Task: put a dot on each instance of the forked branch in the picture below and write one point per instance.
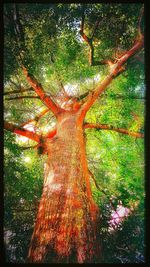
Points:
(111, 128)
(114, 71)
(89, 41)
(115, 68)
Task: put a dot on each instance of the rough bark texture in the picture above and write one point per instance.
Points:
(65, 229)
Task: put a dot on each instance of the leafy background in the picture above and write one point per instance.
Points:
(51, 47)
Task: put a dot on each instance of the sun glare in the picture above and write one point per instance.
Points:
(29, 127)
(21, 139)
(27, 159)
(24, 139)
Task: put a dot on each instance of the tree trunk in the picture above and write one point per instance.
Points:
(65, 229)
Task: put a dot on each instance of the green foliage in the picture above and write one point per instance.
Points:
(117, 162)
(22, 190)
(50, 45)
(128, 239)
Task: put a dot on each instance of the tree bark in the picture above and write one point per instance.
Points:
(65, 229)
(21, 131)
(41, 93)
(111, 128)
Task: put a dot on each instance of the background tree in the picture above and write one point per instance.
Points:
(75, 52)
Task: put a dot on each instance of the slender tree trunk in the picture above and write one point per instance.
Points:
(65, 229)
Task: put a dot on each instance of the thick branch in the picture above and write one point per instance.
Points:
(109, 127)
(90, 44)
(51, 134)
(114, 71)
(87, 40)
(20, 130)
(40, 92)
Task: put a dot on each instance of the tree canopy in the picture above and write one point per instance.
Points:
(48, 39)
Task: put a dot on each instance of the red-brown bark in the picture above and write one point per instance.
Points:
(40, 92)
(51, 133)
(67, 219)
(67, 216)
(21, 131)
(89, 41)
(115, 69)
(111, 128)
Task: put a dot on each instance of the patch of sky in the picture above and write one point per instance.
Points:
(140, 89)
